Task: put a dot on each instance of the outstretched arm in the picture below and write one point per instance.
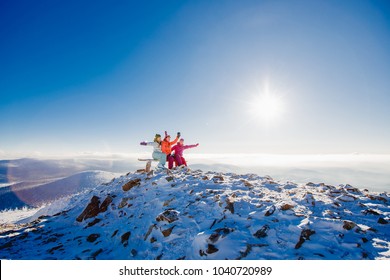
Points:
(146, 143)
(190, 146)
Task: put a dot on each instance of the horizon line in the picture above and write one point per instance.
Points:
(132, 155)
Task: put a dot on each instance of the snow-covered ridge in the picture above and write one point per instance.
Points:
(207, 215)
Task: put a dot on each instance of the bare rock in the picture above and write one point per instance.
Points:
(92, 237)
(62, 213)
(370, 211)
(211, 249)
(149, 231)
(270, 211)
(244, 254)
(336, 192)
(346, 198)
(348, 225)
(125, 238)
(59, 247)
(286, 207)
(246, 183)
(220, 233)
(230, 204)
(105, 204)
(261, 233)
(349, 188)
(218, 178)
(305, 235)
(124, 202)
(309, 198)
(169, 178)
(382, 221)
(272, 182)
(92, 210)
(94, 222)
(167, 202)
(214, 222)
(131, 184)
(202, 253)
(372, 229)
(167, 232)
(169, 216)
(96, 253)
(376, 197)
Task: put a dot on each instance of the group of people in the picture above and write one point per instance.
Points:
(163, 150)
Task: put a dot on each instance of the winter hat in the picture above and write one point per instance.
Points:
(155, 137)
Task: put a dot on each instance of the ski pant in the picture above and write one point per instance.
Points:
(161, 157)
(180, 160)
(171, 160)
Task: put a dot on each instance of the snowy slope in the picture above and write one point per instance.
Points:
(206, 215)
(20, 195)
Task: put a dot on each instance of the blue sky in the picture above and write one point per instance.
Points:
(101, 76)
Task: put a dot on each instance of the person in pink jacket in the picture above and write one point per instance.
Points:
(178, 149)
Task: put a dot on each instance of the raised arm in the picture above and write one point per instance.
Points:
(176, 139)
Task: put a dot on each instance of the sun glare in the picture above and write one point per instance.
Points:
(267, 107)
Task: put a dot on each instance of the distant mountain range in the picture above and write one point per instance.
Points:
(32, 182)
(27, 169)
(36, 193)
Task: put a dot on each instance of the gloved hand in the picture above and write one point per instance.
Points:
(178, 134)
(143, 143)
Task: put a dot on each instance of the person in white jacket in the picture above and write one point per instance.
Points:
(157, 153)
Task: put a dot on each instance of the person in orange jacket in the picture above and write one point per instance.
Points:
(166, 148)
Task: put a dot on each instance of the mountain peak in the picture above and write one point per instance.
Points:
(208, 215)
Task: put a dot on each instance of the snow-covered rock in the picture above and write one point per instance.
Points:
(206, 215)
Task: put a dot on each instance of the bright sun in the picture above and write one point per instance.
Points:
(267, 107)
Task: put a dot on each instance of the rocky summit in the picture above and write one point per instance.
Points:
(206, 215)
